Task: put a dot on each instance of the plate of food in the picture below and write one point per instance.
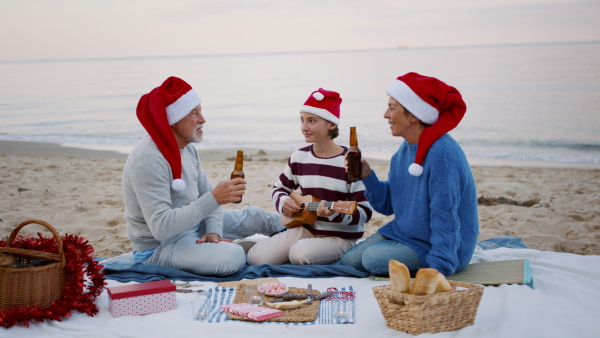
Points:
(272, 289)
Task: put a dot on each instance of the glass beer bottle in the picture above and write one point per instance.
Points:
(238, 170)
(354, 165)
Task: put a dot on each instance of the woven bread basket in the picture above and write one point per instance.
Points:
(35, 278)
(446, 311)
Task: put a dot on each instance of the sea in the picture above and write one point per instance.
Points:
(533, 103)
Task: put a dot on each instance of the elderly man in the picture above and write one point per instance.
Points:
(174, 215)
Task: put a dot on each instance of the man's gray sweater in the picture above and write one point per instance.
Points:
(154, 212)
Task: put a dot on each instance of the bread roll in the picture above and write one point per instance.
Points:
(425, 282)
(399, 276)
(442, 284)
(399, 279)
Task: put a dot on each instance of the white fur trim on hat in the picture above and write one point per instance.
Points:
(412, 102)
(322, 113)
(183, 106)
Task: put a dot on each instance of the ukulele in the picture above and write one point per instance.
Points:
(308, 207)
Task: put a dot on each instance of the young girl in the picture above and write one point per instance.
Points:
(317, 170)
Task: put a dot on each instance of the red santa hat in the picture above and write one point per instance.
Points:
(159, 110)
(324, 104)
(434, 103)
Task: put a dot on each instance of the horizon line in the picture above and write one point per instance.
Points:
(399, 47)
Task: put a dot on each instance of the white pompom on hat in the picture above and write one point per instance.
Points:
(159, 110)
(325, 104)
(434, 103)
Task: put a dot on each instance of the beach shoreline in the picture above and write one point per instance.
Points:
(78, 191)
(31, 148)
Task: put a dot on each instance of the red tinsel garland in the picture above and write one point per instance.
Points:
(77, 294)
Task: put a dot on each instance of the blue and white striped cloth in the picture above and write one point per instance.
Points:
(327, 310)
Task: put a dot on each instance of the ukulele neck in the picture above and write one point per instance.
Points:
(313, 206)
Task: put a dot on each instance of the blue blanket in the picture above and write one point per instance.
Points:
(124, 269)
(507, 241)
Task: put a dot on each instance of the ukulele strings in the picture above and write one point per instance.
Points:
(313, 206)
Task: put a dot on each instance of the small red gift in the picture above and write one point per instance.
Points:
(142, 298)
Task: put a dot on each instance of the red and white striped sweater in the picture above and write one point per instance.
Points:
(325, 179)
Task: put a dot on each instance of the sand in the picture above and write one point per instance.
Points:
(79, 192)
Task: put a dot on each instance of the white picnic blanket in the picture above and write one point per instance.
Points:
(564, 302)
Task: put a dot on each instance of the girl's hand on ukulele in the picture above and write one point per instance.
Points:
(290, 207)
(324, 211)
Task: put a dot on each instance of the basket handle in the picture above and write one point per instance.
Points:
(33, 253)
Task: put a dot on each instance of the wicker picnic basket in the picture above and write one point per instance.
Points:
(446, 311)
(35, 278)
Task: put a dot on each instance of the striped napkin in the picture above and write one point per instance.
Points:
(327, 310)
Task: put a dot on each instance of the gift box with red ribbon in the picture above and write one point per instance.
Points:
(142, 298)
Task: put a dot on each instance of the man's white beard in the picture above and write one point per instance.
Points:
(196, 138)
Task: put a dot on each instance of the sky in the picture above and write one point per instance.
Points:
(74, 29)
